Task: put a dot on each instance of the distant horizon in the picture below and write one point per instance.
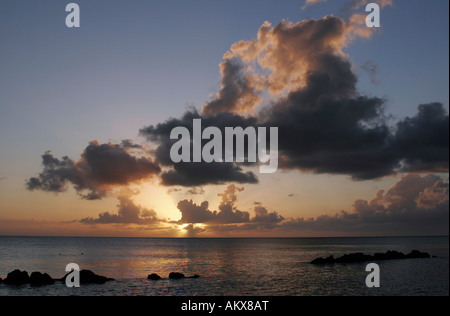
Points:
(131, 237)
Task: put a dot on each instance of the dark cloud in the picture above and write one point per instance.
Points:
(193, 213)
(197, 174)
(100, 167)
(194, 174)
(421, 142)
(128, 213)
(128, 143)
(325, 125)
(3, 178)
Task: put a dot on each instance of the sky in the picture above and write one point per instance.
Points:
(86, 115)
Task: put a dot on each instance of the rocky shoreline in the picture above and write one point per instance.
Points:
(18, 277)
(360, 257)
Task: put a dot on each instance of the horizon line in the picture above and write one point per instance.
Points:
(136, 237)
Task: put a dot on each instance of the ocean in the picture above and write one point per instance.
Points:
(227, 267)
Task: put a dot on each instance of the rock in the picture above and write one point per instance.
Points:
(395, 255)
(89, 277)
(360, 257)
(37, 278)
(195, 276)
(176, 275)
(17, 277)
(1, 280)
(153, 276)
(416, 254)
(328, 260)
(353, 257)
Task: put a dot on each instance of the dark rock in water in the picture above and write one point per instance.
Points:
(17, 277)
(416, 254)
(176, 275)
(195, 276)
(88, 277)
(328, 260)
(154, 276)
(37, 278)
(353, 257)
(360, 257)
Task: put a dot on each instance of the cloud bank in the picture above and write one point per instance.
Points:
(415, 205)
(128, 213)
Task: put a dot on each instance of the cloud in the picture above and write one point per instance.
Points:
(193, 213)
(415, 205)
(100, 167)
(309, 3)
(171, 190)
(421, 142)
(293, 76)
(268, 219)
(128, 213)
(3, 178)
(228, 212)
(195, 191)
(197, 174)
(192, 230)
(432, 197)
(237, 94)
(325, 125)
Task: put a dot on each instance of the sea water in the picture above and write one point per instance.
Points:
(227, 267)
